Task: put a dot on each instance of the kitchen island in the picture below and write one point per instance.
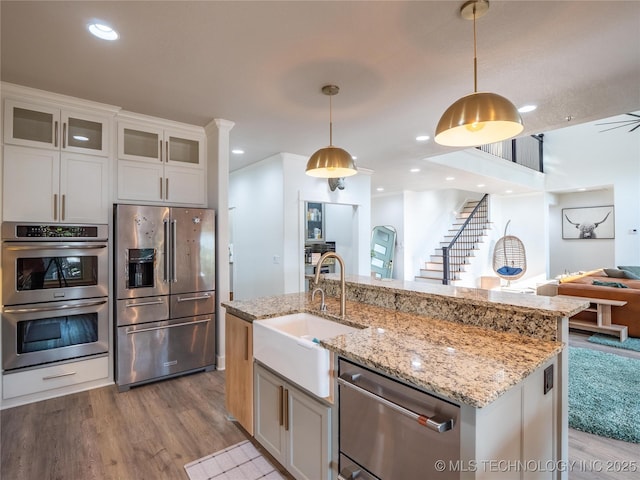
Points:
(485, 351)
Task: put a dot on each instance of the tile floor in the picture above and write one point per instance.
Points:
(240, 461)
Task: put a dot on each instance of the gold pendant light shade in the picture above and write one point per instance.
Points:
(480, 117)
(331, 162)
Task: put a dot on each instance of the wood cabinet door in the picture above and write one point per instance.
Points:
(239, 370)
(84, 196)
(30, 185)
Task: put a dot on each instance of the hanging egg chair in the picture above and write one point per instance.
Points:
(509, 257)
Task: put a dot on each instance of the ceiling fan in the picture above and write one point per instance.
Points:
(624, 123)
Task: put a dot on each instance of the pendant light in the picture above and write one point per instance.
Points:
(479, 118)
(331, 162)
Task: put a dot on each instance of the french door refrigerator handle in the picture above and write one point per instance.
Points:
(167, 250)
(435, 423)
(174, 262)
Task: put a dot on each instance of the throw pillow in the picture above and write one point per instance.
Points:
(635, 271)
(509, 271)
(609, 284)
(615, 273)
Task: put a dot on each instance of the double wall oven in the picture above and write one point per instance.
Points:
(54, 293)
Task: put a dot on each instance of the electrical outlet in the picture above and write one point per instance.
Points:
(276, 259)
(548, 379)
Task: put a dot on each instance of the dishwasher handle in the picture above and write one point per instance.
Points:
(349, 474)
(436, 423)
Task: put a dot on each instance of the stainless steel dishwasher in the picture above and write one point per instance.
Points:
(390, 430)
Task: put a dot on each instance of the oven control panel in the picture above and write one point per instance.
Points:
(32, 231)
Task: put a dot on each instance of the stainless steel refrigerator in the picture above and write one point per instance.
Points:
(165, 288)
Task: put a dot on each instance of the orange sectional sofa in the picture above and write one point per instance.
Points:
(582, 286)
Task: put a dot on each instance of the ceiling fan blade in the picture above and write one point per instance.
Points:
(634, 115)
(635, 128)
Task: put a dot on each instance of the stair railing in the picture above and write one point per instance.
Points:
(456, 253)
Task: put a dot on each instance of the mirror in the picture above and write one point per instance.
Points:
(383, 243)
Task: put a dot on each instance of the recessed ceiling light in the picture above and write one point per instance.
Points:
(422, 138)
(102, 31)
(354, 157)
(508, 191)
(448, 179)
(380, 189)
(480, 185)
(414, 170)
(582, 189)
(81, 138)
(237, 151)
(527, 108)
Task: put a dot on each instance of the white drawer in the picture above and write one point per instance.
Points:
(56, 376)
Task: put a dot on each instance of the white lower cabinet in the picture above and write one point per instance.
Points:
(292, 426)
(54, 377)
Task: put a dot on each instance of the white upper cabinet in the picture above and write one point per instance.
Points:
(160, 163)
(46, 186)
(148, 143)
(44, 126)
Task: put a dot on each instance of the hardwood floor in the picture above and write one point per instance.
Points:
(147, 433)
(151, 432)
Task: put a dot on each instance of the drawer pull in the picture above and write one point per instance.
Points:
(144, 304)
(436, 423)
(60, 375)
(193, 299)
(165, 327)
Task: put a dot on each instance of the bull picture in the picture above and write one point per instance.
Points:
(587, 221)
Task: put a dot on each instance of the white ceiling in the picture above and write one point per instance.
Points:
(399, 65)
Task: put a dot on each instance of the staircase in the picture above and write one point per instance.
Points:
(469, 234)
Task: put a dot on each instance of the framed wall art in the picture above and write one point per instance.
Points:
(588, 223)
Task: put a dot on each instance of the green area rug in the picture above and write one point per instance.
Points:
(604, 394)
(628, 344)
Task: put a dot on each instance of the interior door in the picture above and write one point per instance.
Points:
(383, 241)
(193, 240)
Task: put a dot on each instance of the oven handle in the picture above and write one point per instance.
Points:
(435, 423)
(151, 329)
(193, 299)
(57, 307)
(53, 247)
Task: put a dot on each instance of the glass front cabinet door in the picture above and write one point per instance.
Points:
(41, 126)
(148, 143)
(314, 222)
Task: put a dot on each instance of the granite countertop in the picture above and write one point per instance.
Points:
(552, 306)
(465, 363)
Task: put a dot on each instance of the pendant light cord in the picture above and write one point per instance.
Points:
(475, 54)
(330, 123)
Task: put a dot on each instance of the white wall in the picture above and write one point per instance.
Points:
(529, 222)
(268, 200)
(582, 156)
(256, 195)
(339, 223)
(575, 255)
